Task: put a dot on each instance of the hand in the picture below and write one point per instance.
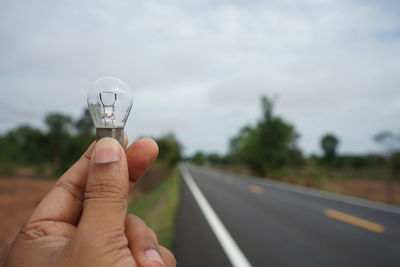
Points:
(82, 221)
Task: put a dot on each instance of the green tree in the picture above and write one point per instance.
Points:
(22, 145)
(60, 145)
(83, 137)
(84, 125)
(329, 143)
(199, 158)
(58, 136)
(29, 143)
(268, 146)
(391, 142)
(215, 158)
(170, 150)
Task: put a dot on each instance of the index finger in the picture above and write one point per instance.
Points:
(141, 154)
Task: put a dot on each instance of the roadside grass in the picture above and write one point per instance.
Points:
(158, 209)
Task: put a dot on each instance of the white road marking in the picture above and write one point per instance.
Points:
(232, 251)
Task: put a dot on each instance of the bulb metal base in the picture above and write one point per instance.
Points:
(116, 133)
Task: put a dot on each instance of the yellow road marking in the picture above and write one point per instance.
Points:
(256, 189)
(229, 180)
(344, 217)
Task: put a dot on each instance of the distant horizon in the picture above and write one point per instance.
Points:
(41, 125)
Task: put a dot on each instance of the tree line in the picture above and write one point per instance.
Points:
(265, 148)
(56, 147)
(271, 146)
(61, 143)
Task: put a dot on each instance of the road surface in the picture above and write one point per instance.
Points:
(256, 222)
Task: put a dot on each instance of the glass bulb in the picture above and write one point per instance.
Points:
(109, 100)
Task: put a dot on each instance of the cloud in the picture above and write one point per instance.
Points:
(198, 68)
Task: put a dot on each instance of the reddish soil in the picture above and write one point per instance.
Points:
(373, 190)
(18, 198)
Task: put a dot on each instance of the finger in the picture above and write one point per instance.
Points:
(141, 154)
(126, 140)
(142, 242)
(105, 198)
(64, 201)
(167, 256)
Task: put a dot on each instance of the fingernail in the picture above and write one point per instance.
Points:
(107, 150)
(153, 255)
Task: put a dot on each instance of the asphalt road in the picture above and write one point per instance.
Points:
(274, 224)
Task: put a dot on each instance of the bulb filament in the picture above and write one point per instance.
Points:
(108, 100)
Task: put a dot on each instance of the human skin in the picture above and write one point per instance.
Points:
(82, 221)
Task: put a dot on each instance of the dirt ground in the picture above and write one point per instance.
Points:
(18, 198)
(372, 190)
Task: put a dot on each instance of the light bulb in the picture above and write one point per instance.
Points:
(109, 100)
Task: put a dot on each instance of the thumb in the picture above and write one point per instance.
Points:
(106, 194)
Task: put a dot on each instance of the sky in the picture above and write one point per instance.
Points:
(198, 68)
